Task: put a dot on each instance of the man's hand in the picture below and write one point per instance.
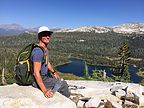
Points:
(48, 94)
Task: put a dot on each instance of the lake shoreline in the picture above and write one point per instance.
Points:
(79, 60)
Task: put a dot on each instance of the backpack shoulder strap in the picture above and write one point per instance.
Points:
(44, 53)
(37, 46)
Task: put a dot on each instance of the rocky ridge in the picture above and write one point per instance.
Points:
(137, 28)
(128, 28)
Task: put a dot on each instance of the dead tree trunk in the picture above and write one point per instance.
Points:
(3, 73)
(3, 77)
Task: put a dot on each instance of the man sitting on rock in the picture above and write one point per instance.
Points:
(42, 67)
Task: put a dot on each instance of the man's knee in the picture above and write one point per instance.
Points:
(64, 83)
(64, 89)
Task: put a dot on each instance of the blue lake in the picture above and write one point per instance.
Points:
(76, 67)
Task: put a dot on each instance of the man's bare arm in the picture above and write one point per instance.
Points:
(51, 69)
(37, 67)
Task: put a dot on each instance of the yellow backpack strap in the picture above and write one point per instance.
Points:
(28, 64)
(46, 58)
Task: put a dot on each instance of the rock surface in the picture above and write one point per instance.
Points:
(96, 94)
(114, 94)
(15, 96)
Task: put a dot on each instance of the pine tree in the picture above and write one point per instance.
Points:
(124, 55)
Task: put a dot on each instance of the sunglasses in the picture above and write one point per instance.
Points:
(45, 34)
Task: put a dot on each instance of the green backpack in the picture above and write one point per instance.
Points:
(23, 67)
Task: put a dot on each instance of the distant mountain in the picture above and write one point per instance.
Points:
(137, 28)
(129, 28)
(97, 29)
(15, 29)
(11, 29)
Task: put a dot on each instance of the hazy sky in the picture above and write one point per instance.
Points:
(71, 13)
